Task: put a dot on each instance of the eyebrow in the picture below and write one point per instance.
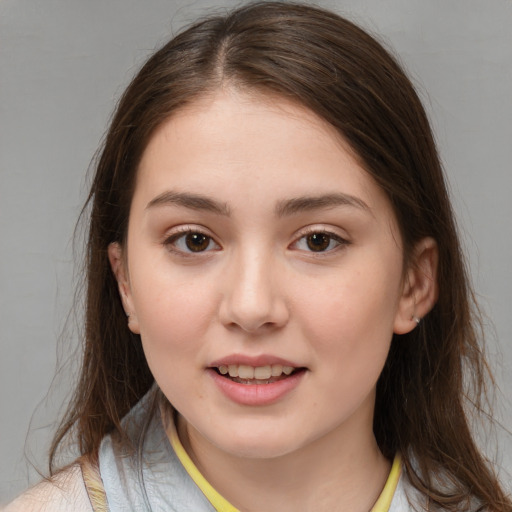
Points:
(283, 208)
(308, 203)
(188, 200)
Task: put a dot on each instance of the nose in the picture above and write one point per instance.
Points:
(253, 299)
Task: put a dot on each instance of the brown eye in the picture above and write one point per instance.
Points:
(318, 242)
(197, 242)
(189, 242)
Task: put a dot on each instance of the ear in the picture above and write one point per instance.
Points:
(118, 265)
(420, 288)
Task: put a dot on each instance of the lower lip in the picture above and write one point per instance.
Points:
(256, 394)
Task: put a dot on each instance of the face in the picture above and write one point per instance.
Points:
(263, 271)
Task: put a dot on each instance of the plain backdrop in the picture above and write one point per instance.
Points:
(63, 64)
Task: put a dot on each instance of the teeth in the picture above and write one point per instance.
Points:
(264, 373)
(277, 369)
(245, 372)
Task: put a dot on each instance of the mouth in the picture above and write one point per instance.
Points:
(256, 381)
(256, 375)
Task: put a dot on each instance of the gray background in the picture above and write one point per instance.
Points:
(62, 65)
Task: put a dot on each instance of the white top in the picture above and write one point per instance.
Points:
(157, 481)
(67, 493)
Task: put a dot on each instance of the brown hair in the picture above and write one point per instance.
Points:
(331, 66)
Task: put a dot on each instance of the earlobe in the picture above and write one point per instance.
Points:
(118, 266)
(420, 288)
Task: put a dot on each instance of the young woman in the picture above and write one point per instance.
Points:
(278, 314)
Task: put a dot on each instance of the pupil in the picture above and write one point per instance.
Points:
(197, 242)
(318, 242)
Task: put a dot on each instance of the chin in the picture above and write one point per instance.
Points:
(263, 445)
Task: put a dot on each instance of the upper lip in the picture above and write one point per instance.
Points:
(254, 361)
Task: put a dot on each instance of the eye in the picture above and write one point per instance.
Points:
(319, 241)
(191, 241)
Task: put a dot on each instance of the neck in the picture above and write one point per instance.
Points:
(343, 470)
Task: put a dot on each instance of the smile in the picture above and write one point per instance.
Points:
(250, 385)
(245, 374)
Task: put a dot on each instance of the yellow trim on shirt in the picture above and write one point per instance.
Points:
(222, 505)
(386, 496)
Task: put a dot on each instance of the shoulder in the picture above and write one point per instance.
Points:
(65, 491)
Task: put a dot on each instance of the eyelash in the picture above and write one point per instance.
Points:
(332, 237)
(185, 231)
(182, 233)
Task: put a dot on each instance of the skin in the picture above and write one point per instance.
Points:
(258, 289)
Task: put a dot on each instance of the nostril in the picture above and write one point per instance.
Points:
(252, 300)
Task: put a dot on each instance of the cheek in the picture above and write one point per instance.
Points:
(174, 312)
(173, 320)
(352, 315)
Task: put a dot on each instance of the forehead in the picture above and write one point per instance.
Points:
(241, 145)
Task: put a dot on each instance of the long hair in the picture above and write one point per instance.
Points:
(327, 64)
